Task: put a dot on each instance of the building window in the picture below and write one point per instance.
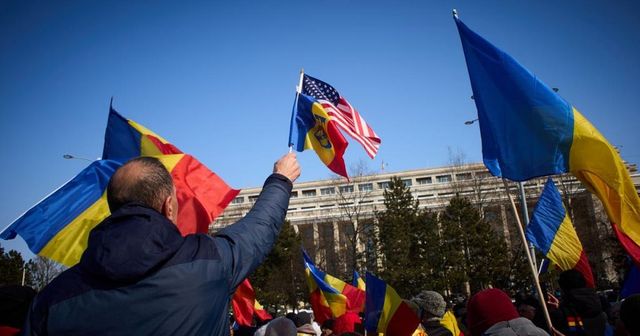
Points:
(463, 176)
(328, 191)
(238, 200)
(365, 187)
(483, 175)
(346, 189)
(253, 198)
(384, 185)
(407, 183)
(308, 207)
(443, 178)
(294, 194)
(309, 193)
(424, 180)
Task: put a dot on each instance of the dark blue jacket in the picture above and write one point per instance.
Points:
(139, 276)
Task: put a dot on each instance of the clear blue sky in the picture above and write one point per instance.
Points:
(217, 78)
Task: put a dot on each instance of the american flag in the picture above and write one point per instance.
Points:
(345, 116)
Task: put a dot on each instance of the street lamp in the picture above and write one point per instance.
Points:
(73, 157)
(469, 122)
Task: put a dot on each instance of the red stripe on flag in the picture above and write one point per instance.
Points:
(629, 244)
(583, 267)
(321, 312)
(355, 298)
(243, 303)
(404, 322)
(164, 148)
(202, 195)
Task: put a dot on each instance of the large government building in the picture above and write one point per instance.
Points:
(326, 212)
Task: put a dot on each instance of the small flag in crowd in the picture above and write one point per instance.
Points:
(330, 297)
(551, 231)
(385, 311)
(358, 282)
(245, 306)
(58, 227)
(346, 117)
(528, 131)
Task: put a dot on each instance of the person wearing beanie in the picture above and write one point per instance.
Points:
(491, 313)
(580, 310)
(432, 308)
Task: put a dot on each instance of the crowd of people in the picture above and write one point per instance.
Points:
(579, 311)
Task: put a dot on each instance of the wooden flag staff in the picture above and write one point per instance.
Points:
(532, 267)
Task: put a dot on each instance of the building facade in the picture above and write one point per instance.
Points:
(335, 218)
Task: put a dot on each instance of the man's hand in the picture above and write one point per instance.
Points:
(288, 166)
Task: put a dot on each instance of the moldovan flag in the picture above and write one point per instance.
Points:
(385, 311)
(551, 231)
(530, 131)
(330, 297)
(313, 128)
(245, 305)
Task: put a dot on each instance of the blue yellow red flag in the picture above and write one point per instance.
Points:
(385, 312)
(202, 194)
(58, 227)
(551, 231)
(313, 128)
(330, 297)
(528, 131)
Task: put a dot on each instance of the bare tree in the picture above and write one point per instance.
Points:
(43, 270)
(353, 200)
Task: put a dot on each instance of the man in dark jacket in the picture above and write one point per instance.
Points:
(580, 311)
(139, 276)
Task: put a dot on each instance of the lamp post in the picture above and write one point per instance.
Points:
(73, 157)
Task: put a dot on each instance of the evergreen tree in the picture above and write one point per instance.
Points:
(279, 281)
(406, 240)
(11, 268)
(473, 251)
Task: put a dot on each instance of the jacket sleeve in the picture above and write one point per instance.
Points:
(249, 240)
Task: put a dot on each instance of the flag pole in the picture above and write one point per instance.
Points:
(532, 267)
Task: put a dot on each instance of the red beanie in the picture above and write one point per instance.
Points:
(487, 308)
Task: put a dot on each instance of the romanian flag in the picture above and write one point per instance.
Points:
(202, 195)
(58, 227)
(313, 128)
(245, 306)
(385, 311)
(529, 131)
(550, 231)
(330, 297)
